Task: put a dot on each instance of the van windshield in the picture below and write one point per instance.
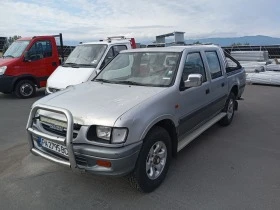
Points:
(155, 69)
(86, 55)
(16, 49)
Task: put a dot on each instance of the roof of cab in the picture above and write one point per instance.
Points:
(123, 41)
(172, 48)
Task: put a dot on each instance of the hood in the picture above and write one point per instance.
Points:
(7, 61)
(63, 77)
(94, 103)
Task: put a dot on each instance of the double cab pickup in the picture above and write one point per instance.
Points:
(144, 106)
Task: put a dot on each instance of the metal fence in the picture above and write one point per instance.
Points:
(273, 50)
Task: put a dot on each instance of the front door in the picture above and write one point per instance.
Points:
(193, 101)
(40, 62)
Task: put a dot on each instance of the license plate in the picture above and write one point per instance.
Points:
(58, 148)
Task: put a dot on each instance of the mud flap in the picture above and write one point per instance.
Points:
(235, 105)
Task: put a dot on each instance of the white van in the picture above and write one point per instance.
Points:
(85, 61)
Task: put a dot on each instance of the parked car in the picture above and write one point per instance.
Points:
(141, 109)
(85, 61)
(27, 64)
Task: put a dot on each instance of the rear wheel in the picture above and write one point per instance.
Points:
(229, 109)
(25, 89)
(153, 161)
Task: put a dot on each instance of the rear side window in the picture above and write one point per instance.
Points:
(214, 64)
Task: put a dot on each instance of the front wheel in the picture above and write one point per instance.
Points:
(153, 161)
(25, 89)
(229, 109)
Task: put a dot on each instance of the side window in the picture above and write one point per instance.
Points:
(39, 50)
(214, 64)
(107, 58)
(118, 48)
(194, 65)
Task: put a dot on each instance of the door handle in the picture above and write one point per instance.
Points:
(54, 64)
(207, 91)
(223, 84)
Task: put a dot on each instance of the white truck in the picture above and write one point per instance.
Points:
(86, 60)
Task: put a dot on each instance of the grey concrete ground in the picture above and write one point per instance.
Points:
(237, 167)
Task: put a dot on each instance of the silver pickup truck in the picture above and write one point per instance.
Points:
(140, 110)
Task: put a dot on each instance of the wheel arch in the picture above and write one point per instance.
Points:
(234, 89)
(25, 77)
(169, 125)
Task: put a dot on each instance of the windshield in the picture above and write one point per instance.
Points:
(87, 55)
(141, 68)
(16, 49)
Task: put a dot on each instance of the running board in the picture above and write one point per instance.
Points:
(187, 139)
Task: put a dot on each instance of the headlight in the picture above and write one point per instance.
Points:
(104, 134)
(3, 69)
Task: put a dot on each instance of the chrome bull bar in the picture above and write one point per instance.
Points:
(67, 141)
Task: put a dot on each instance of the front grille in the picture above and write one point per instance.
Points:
(59, 130)
(60, 133)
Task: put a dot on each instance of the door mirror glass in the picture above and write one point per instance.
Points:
(194, 80)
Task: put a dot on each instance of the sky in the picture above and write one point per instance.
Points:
(88, 20)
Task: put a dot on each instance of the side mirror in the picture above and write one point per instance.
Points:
(194, 80)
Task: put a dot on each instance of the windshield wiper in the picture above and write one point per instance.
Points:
(130, 83)
(85, 64)
(6, 56)
(69, 64)
(103, 80)
(138, 84)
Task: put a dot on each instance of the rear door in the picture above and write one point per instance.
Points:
(193, 101)
(218, 86)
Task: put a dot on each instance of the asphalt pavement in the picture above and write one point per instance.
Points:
(236, 167)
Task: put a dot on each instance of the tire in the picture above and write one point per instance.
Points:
(229, 109)
(150, 171)
(25, 89)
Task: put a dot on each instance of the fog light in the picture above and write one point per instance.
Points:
(104, 163)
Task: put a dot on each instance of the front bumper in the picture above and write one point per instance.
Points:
(6, 83)
(83, 157)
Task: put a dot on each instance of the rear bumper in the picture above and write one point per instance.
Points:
(6, 83)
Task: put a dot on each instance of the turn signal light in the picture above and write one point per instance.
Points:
(104, 163)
